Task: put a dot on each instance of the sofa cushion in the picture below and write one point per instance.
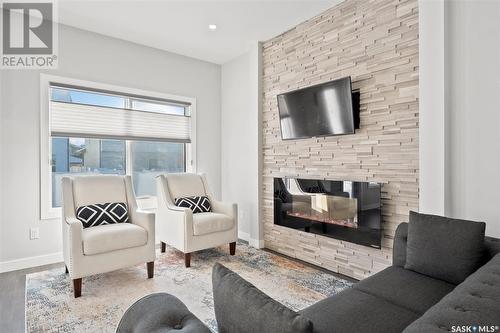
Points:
(112, 237)
(355, 311)
(408, 289)
(241, 307)
(474, 302)
(206, 223)
(198, 204)
(105, 213)
(444, 248)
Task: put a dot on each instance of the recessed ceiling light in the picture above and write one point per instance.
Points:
(212, 26)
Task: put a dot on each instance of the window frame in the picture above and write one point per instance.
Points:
(47, 212)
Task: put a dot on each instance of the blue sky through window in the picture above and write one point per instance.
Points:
(114, 101)
(90, 98)
(157, 107)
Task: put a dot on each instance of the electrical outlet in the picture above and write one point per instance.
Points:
(34, 233)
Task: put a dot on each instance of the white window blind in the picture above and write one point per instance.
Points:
(89, 121)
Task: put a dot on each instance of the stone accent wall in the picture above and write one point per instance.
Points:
(376, 43)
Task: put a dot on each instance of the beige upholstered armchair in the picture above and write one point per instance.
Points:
(188, 232)
(105, 247)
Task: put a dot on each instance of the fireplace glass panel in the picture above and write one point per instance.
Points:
(343, 210)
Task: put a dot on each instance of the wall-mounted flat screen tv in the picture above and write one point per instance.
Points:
(321, 110)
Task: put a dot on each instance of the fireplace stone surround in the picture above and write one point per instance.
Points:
(376, 43)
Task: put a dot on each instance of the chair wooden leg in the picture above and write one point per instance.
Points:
(151, 269)
(232, 248)
(66, 267)
(163, 247)
(187, 259)
(77, 287)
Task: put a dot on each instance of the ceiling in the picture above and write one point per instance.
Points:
(182, 26)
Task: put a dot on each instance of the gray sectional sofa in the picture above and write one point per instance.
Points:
(397, 299)
(445, 277)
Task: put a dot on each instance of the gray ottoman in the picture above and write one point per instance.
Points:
(159, 313)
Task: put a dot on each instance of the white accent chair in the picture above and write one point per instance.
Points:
(109, 247)
(188, 232)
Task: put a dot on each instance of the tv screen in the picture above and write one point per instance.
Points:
(321, 110)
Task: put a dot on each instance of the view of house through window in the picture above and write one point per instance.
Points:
(149, 159)
(142, 159)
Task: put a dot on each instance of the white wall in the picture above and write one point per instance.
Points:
(473, 111)
(89, 56)
(460, 110)
(432, 107)
(1, 158)
(240, 141)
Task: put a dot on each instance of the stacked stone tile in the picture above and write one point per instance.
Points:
(376, 43)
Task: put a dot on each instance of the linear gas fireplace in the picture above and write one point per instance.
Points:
(343, 210)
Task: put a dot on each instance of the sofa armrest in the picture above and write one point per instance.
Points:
(144, 219)
(73, 244)
(74, 228)
(175, 224)
(178, 216)
(226, 208)
(399, 246)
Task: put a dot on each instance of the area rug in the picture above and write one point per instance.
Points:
(50, 306)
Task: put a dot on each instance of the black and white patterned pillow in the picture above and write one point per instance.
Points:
(106, 213)
(196, 204)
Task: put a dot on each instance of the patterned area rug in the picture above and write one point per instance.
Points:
(50, 306)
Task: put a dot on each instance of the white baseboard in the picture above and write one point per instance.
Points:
(257, 243)
(46, 259)
(244, 236)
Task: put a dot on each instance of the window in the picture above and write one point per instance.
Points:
(149, 159)
(75, 96)
(96, 131)
(72, 156)
(142, 105)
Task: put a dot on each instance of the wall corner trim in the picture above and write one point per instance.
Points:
(243, 236)
(257, 243)
(432, 107)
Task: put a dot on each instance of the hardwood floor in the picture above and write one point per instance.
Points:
(12, 298)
